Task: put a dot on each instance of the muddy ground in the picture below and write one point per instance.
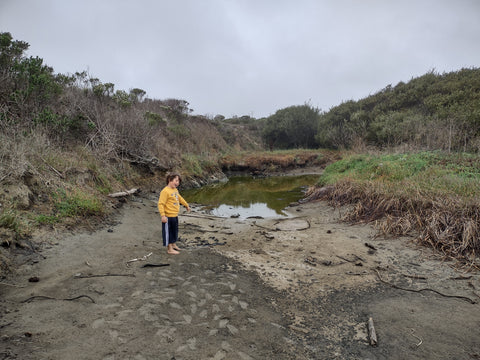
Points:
(296, 288)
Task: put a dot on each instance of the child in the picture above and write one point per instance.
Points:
(169, 206)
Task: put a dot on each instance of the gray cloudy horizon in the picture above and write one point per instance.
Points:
(246, 57)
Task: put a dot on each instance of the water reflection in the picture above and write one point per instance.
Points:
(244, 196)
(256, 209)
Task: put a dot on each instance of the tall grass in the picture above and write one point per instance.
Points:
(432, 173)
(430, 194)
(9, 220)
(194, 165)
(76, 203)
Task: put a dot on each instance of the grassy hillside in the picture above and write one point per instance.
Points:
(433, 111)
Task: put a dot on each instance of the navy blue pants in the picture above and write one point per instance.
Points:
(170, 231)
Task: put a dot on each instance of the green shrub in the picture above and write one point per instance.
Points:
(47, 219)
(9, 220)
(179, 130)
(76, 203)
(191, 164)
(154, 119)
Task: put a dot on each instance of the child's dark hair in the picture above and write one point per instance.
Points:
(172, 176)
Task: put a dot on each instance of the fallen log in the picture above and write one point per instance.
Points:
(123, 193)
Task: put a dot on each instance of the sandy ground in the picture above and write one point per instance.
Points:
(296, 288)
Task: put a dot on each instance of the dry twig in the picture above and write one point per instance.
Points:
(425, 289)
(42, 297)
(418, 277)
(80, 276)
(54, 170)
(415, 336)
(143, 258)
(212, 217)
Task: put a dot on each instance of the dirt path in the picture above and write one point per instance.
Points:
(301, 288)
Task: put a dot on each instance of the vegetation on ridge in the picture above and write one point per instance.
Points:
(433, 111)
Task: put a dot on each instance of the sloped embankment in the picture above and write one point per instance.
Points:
(264, 163)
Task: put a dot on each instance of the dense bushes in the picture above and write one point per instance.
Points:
(433, 111)
(292, 127)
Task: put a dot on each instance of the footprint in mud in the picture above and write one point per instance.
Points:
(209, 314)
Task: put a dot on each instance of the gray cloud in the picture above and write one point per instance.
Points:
(247, 57)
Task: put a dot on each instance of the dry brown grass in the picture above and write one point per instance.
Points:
(448, 225)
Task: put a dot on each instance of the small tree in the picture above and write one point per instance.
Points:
(137, 94)
(292, 127)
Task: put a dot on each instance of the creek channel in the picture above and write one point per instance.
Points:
(247, 196)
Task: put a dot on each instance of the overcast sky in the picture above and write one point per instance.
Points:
(249, 57)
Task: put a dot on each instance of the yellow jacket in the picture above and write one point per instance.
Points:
(169, 202)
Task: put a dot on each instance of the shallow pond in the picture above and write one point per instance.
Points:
(246, 196)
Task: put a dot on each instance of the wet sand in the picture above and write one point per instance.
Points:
(298, 288)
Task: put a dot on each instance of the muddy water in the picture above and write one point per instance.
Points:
(246, 196)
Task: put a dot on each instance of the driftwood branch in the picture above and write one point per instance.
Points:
(155, 265)
(198, 228)
(461, 277)
(415, 336)
(264, 227)
(211, 217)
(418, 277)
(80, 276)
(143, 258)
(350, 261)
(372, 333)
(357, 273)
(288, 219)
(55, 170)
(278, 229)
(123, 193)
(425, 289)
(52, 298)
